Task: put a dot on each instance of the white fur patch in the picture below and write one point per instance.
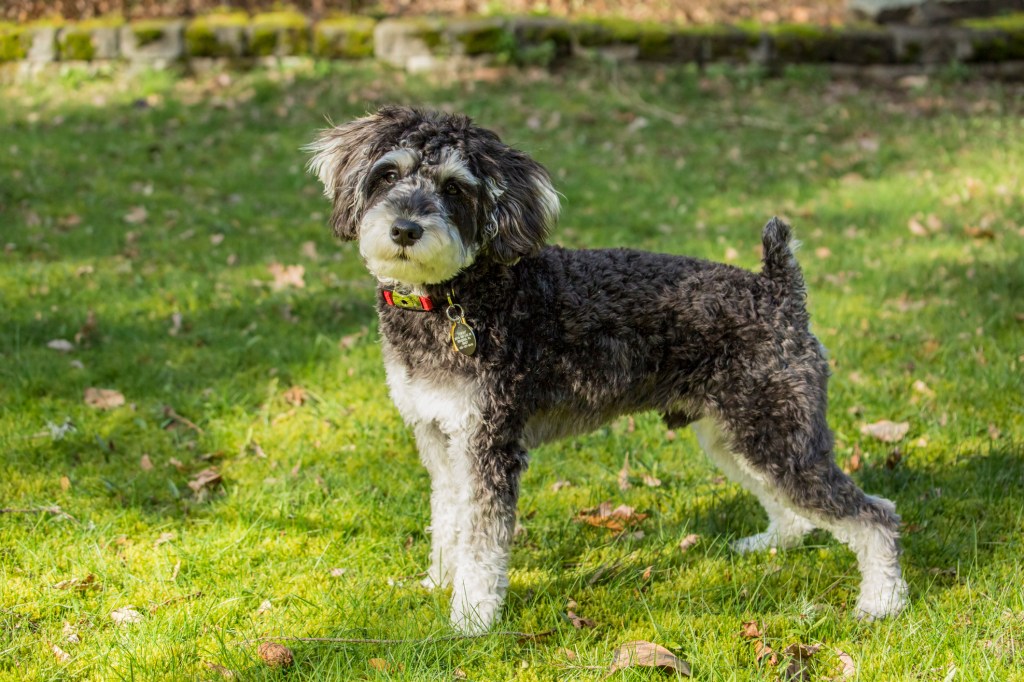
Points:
(435, 257)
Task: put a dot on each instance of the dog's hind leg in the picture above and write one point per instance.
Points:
(796, 467)
(786, 528)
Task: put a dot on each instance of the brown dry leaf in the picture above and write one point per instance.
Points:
(922, 388)
(893, 459)
(823, 252)
(849, 667)
(296, 395)
(309, 250)
(750, 629)
(975, 232)
(993, 431)
(165, 537)
(61, 655)
(103, 398)
(604, 516)
(65, 483)
(338, 572)
(69, 633)
(689, 541)
(652, 481)
(125, 615)
(87, 331)
(137, 215)
(275, 655)
(176, 463)
(80, 584)
(145, 463)
(349, 341)
(579, 622)
(558, 485)
(205, 479)
(854, 463)
(646, 655)
(624, 475)
(916, 228)
(762, 651)
(886, 431)
(226, 673)
(460, 674)
(265, 606)
(384, 666)
(799, 667)
(62, 345)
(287, 276)
(70, 220)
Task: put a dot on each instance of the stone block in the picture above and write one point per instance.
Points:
(42, 44)
(157, 41)
(14, 42)
(344, 38)
(279, 34)
(91, 39)
(217, 35)
(420, 43)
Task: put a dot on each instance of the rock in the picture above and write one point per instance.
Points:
(929, 12)
(42, 45)
(153, 41)
(344, 38)
(422, 43)
(279, 34)
(217, 35)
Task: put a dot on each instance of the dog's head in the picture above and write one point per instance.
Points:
(427, 194)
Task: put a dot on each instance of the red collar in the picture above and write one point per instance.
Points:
(407, 301)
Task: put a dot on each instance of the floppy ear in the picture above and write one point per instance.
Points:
(525, 206)
(341, 157)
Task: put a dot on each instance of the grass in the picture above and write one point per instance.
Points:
(184, 317)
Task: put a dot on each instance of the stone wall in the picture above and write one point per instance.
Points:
(425, 43)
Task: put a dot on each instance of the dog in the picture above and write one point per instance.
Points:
(494, 343)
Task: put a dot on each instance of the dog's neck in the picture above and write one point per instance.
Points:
(461, 286)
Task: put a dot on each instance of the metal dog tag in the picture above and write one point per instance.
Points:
(463, 338)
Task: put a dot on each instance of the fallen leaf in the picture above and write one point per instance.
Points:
(205, 479)
(125, 615)
(558, 485)
(338, 572)
(646, 655)
(87, 331)
(61, 655)
(136, 215)
(886, 431)
(349, 341)
(226, 673)
(731, 254)
(854, 463)
(993, 431)
(62, 345)
(145, 463)
(922, 388)
(176, 463)
(165, 537)
(916, 228)
(287, 276)
(750, 629)
(80, 584)
(893, 459)
(265, 606)
(103, 398)
(275, 655)
(604, 516)
(652, 481)
(647, 573)
(975, 232)
(460, 674)
(623, 479)
(296, 395)
(579, 622)
(65, 483)
(69, 633)
(176, 320)
(689, 541)
(762, 651)
(309, 250)
(384, 666)
(799, 667)
(823, 252)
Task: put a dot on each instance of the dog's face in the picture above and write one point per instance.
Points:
(427, 194)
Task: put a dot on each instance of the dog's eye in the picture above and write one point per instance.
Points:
(452, 189)
(390, 178)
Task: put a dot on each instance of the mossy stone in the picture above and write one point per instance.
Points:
(605, 32)
(217, 35)
(148, 32)
(722, 43)
(284, 33)
(14, 43)
(76, 44)
(997, 46)
(344, 38)
(486, 40)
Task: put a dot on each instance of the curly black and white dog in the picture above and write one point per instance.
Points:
(494, 344)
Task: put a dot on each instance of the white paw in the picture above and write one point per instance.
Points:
(754, 543)
(474, 618)
(879, 602)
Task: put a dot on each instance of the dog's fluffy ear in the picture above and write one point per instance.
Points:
(341, 157)
(525, 206)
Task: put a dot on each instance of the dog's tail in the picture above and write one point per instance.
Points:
(779, 263)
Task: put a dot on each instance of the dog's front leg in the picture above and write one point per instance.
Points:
(486, 522)
(445, 483)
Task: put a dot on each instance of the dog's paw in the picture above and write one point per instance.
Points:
(754, 543)
(475, 619)
(883, 601)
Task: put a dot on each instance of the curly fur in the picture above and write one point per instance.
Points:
(569, 339)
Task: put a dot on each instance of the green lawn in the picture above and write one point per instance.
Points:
(141, 214)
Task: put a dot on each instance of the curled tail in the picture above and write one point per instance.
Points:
(778, 262)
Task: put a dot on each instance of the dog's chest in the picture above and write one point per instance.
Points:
(447, 399)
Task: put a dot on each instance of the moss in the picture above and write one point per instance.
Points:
(201, 35)
(76, 43)
(997, 47)
(605, 31)
(1007, 22)
(728, 43)
(656, 44)
(487, 40)
(279, 33)
(106, 21)
(14, 43)
(555, 32)
(344, 37)
(148, 32)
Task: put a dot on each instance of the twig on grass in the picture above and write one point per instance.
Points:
(56, 511)
(428, 640)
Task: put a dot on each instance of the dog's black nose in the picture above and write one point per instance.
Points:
(405, 232)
